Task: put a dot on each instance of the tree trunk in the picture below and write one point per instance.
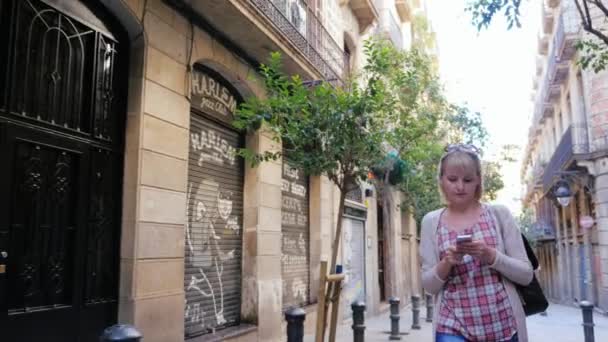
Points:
(334, 257)
(336, 244)
(390, 252)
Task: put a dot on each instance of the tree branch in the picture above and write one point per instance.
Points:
(587, 22)
(600, 5)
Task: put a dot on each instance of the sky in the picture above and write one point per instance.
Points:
(491, 72)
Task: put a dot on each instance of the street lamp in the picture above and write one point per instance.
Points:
(563, 194)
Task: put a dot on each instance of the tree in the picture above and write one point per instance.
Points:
(412, 111)
(394, 104)
(593, 15)
(325, 130)
(459, 125)
(492, 180)
(525, 221)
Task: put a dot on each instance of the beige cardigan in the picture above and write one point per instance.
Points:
(511, 261)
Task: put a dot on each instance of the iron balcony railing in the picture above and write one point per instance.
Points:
(580, 138)
(537, 173)
(300, 25)
(574, 141)
(389, 27)
(561, 156)
(567, 31)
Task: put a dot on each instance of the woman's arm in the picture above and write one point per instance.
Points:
(513, 263)
(431, 267)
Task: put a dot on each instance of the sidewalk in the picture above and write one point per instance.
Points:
(562, 324)
(377, 328)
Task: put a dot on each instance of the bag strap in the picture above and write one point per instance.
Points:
(529, 251)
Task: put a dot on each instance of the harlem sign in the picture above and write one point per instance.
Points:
(211, 96)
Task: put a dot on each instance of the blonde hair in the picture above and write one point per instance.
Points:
(465, 160)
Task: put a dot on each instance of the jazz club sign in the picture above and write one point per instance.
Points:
(209, 95)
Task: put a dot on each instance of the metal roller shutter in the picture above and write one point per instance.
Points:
(354, 263)
(214, 229)
(295, 264)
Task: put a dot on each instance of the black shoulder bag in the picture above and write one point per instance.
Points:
(532, 297)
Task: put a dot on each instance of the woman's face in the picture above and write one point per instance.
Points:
(459, 184)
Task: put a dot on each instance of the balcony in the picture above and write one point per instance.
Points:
(543, 107)
(567, 31)
(557, 70)
(560, 160)
(537, 175)
(580, 139)
(259, 27)
(543, 44)
(365, 12)
(389, 28)
(540, 64)
(404, 10)
(548, 20)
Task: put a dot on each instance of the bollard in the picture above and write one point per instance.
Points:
(394, 301)
(295, 324)
(358, 321)
(120, 333)
(415, 312)
(429, 308)
(588, 320)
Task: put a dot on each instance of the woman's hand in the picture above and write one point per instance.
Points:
(478, 249)
(452, 256)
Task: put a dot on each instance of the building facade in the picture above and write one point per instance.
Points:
(566, 152)
(122, 199)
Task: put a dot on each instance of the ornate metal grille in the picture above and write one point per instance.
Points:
(62, 71)
(43, 227)
(100, 272)
(304, 29)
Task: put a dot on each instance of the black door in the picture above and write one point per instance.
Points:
(60, 182)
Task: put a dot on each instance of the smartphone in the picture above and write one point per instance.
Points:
(464, 238)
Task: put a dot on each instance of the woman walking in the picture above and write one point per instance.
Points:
(472, 254)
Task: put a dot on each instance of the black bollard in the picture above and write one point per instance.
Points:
(394, 301)
(588, 320)
(415, 312)
(120, 333)
(358, 321)
(429, 308)
(295, 324)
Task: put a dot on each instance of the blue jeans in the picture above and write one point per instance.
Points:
(455, 338)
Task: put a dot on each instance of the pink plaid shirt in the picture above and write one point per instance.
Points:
(475, 304)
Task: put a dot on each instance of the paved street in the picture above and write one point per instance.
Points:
(562, 324)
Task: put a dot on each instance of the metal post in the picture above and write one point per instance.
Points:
(415, 312)
(358, 321)
(295, 324)
(588, 320)
(429, 308)
(394, 301)
(121, 333)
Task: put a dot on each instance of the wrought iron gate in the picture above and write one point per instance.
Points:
(61, 133)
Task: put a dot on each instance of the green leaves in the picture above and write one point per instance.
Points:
(324, 129)
(594, 54)
(483, 11)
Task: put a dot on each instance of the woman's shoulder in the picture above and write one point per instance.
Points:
(430, 218)
(499, 209)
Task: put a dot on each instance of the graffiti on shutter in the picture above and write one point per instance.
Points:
(214, 229)
(295, 237)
